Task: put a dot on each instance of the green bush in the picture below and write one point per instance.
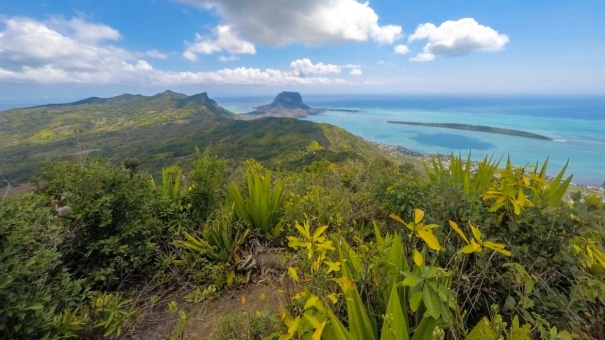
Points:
(34, 285)
(113, 232)
(206, 191)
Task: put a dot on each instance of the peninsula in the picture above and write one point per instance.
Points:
(286, 104)
(478, 128)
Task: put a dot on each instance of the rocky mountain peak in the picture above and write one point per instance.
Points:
(285, 104)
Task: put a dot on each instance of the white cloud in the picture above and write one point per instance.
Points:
(402, 49)
(304, 67)
(190, 55)
(142, 65)
(90, 32)
(310, 22)
(454, 38)
(27, 44)
(83, 31)
(225, 41)
(355, 69)
(35, 52)
(242, 76)
(228, 58)
(156, 54)
(423, 56)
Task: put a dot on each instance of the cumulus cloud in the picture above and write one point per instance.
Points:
(310, 22)
(356, 72)
(39, 52)
(27, 45)
(455, 38)
(304, 67)
(402, 49)
(224, 41)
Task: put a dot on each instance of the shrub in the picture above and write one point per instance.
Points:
(206, 191)
(34, 286)
(114, 234)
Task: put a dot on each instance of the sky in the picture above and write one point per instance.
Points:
(56, 50)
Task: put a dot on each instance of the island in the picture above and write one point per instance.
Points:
(478, 128)
(286, 104)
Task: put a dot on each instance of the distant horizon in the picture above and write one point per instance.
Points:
(573, 122)
(8, 104)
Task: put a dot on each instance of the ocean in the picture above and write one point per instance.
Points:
(576, 125)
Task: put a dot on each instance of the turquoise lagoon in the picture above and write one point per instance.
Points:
(576, 125)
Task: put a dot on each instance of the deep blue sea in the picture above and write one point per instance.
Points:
(575, 123)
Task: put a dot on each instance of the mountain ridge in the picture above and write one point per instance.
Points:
(161, 130)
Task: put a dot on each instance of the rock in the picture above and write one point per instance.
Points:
(286, 104)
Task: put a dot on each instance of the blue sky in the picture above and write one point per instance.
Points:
(71, 49)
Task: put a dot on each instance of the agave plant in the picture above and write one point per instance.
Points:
(219, 241)
(171, 184)
(473, 181)
(262, 208)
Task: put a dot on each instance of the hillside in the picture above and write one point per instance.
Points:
(160, 130)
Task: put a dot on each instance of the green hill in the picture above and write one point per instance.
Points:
(160, 130)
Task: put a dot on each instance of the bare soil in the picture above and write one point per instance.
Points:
(14, 190)
(204, 317)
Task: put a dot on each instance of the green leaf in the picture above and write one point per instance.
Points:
(431, 302)
(335, 329)
(359, 322)
(415, 300)
(482, 331)
(411, 280)
(425, 329)
(395, 326)
(36, 306)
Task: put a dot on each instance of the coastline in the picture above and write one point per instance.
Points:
(575, 137)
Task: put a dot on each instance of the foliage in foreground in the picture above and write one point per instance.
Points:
(478, 252)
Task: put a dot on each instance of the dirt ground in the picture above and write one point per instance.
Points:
(14, 190)
(204, 317)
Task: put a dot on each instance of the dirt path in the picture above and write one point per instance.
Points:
(204, 317)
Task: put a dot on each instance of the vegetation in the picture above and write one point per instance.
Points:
(383, 254)
(479, 128)
(360, 246)
(128, 126)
